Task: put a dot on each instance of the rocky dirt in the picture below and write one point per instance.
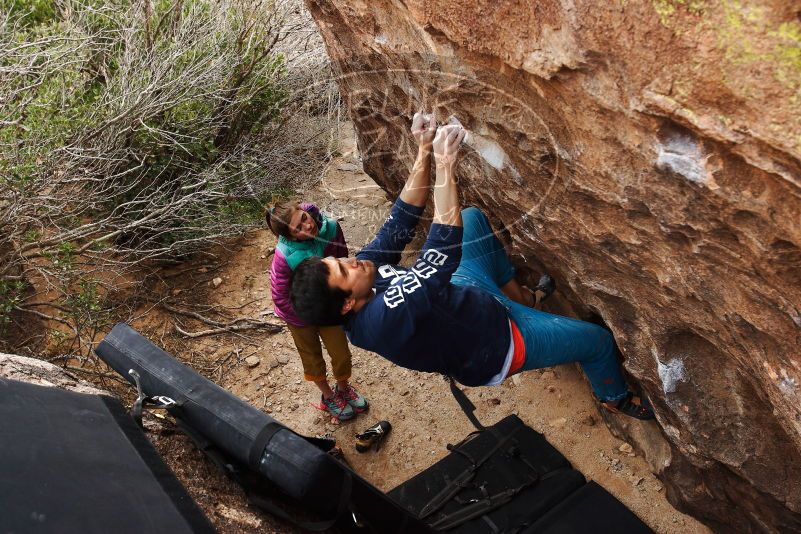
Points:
(266, 371)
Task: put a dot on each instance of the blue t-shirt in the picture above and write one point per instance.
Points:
(418, 319)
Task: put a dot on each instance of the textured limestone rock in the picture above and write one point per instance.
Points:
(42, 373)
(645, 153)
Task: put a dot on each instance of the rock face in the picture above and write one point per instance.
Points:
(42, 373)
(646, 154)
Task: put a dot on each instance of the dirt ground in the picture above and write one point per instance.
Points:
(265, 370)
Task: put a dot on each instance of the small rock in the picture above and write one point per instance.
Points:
(626, 449)
(494, 401)
(217, 281)
(551, 389)
(272, 362)
(589, 420)
(348, 167)
(516, 380)
(557, 423)
(615, 461)
(252, 361)
(283, 359)
(203, 270)
(263, 257)
(636, 481)
(548, 375)
(658, 486)
(176, 291)
(239, 516)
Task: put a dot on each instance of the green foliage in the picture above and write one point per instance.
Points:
(62, 257)
(31, 236)
(85, 302)
(184, 136)
(11, 293)
(144, 134)
(30, 12)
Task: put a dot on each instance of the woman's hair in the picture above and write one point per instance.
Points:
(278, 218)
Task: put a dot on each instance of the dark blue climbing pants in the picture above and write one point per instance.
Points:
(550, 339)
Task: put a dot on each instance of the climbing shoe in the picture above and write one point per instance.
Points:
(633, 406)
(373, 436)
(546, 286)
(354, 399)
(338, 407)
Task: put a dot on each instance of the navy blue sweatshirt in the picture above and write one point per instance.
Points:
(418, 319)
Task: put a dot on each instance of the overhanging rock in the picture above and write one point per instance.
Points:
(647, 155)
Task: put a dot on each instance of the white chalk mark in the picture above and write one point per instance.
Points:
(681, 155)
(670, 374)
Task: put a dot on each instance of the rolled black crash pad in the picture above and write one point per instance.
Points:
(291, 463)
(77, 463)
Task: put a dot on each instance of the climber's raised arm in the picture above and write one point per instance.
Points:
(415, 191)
(446, 195)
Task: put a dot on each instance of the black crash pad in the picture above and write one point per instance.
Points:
(71, 462)
(590, 509)
(550, 495)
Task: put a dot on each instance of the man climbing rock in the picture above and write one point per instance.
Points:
(458, 311)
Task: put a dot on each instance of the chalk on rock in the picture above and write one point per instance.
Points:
(468, 139)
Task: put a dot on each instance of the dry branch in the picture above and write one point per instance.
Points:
(252, 324)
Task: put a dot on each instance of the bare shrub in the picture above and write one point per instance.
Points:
(133, 131)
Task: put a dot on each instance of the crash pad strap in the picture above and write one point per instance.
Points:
(260, 442)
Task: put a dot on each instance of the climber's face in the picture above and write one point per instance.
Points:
(353, 276)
